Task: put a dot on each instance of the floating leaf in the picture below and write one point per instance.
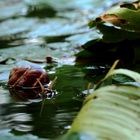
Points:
(119, 27)
(121, 17)
(119, 23)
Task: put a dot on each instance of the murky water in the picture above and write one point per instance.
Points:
(33, 30)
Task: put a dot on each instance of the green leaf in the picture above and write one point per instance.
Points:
(110, 108)
(120, 76)
(112, 112)
(77, 136)
(121, 17)
(119, 34)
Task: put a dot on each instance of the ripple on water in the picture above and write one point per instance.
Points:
(15, 118)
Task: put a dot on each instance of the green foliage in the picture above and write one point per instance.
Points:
(77, 136)
(35, 29)
(111, 112)
(120, 18)
(120, 30)
(120, 76)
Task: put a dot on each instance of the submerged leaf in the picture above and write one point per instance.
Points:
(39, 9)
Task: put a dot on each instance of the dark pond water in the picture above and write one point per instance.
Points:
(33, 30)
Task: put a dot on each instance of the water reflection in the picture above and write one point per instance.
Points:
(55, 119)
(14, 118)
(3, 97)
(23, 117)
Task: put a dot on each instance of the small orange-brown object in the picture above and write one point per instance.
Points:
(24, 81)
